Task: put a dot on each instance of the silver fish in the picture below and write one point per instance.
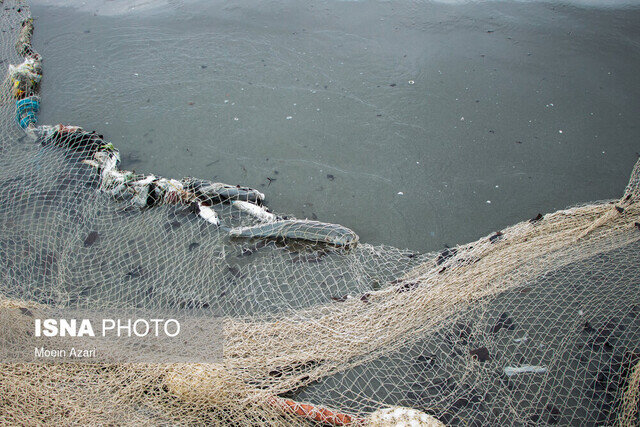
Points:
(259, 212)
(212, 193)
(310, 231)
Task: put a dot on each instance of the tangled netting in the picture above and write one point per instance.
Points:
(537, 323)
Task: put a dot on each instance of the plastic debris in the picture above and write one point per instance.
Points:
(73, 138)
(397, 416)
(26, 110)
(25, 78)
(525, 369)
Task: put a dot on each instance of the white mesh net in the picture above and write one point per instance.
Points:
(537, 323)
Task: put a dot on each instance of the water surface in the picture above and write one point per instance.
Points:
(417, 124)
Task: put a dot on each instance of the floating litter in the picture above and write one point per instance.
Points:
(526, 369)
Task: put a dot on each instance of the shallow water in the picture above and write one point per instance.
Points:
(417, 124)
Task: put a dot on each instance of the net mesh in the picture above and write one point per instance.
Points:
(537, 323)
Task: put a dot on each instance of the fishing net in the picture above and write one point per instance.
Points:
(538, 323)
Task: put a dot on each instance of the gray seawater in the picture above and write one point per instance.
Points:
(417, 124)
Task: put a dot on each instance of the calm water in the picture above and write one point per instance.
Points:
(417, 124)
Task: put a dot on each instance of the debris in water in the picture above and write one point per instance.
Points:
(91, 239)
(259, 212)
(524, 339)
(330, 177)
(428, 360)
(536, 218)
(210, 193)
(482, 354)
(503, 322)
(496, 236)
(208, 214)
(245, 252)
(513, 370)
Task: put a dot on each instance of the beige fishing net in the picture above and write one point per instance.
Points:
(538, 323)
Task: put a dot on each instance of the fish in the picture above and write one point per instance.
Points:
(212, 193)
(259, 212)
(310, 231)
(208, 214)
